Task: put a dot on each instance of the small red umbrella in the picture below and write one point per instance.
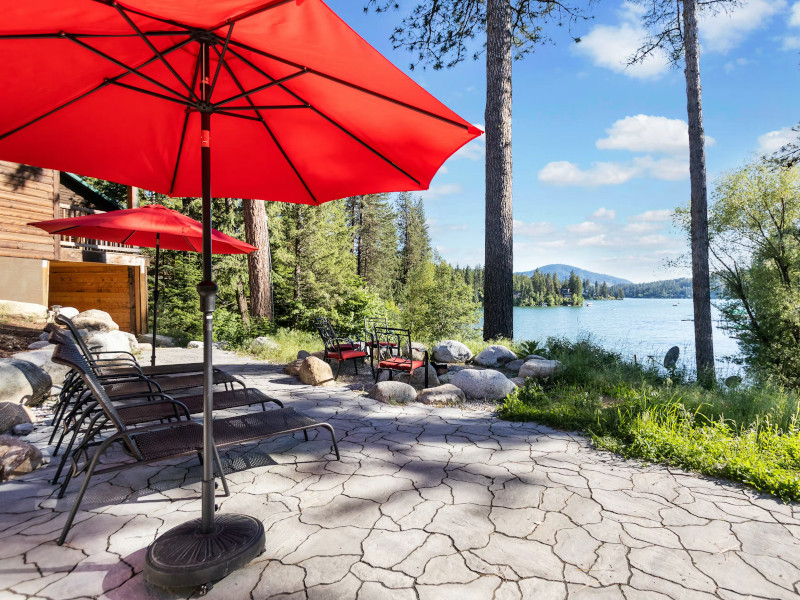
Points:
(152, 226)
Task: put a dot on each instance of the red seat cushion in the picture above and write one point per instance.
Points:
(346, 346)
(400, 364)
(382, 344)
(347, 354)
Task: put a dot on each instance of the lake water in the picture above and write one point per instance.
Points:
(644, 327)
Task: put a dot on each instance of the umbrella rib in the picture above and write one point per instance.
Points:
(219, 62)
(269, 131)
(155, 50)
(261, 88)
(268, 107)
(180, 152)
(324, 116)
(113, 3)
(129, 236)
(105, 83)
(351, 85)
(236, 115)
(119, 63)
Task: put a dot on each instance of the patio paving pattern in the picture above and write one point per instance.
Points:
(427, 503)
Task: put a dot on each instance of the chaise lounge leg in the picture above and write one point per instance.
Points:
(221, 472)
(333, 439)
(81, 493)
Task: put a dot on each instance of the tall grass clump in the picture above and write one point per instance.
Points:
(749, 434)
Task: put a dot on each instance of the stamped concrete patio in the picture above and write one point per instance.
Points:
(426, 503)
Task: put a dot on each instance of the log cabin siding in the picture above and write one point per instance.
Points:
(26, 194)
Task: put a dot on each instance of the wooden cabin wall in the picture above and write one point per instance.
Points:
(27, 194)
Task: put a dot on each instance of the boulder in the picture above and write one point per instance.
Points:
(144, 349)
(494, 356)
(22, 382)
(108, 341)
(162, 341)
(446, 378)
(263, 343)
(194, 344)
(22, 429)
(303, 354)
(27, 310)
(95, 320)
(17, 457)
(483, 384)
(514, 365)
(417, 350)
(13, 414)
(69, 312)
(517, 381)
(43, 359)
(132, 341)
(444, 394)
(314, 371)
(320, 354)
(535, 357)
(293, 368)
(40, 344)
(451, 351)
(393, 391)
(539, 368)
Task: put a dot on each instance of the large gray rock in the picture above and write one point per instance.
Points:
(108, 341)
(40, 344)
(539, 368)
(451, 351)
(162, 341)
(13, 414)
(132, 341)
(301, 354)
(194, 344)
(393, 391)
(293, 368)
(27, 310)
(314, 371)
(264, 343)
(514, 365)
(494, 356)
(69, 311)
(22, 382)
(43, 359)
(483, 384)
(444, 394)
(17, 457)
(95, 320)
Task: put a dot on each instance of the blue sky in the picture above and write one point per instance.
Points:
(600, 151)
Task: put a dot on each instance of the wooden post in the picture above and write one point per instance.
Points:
(133, 197)
(56, 212)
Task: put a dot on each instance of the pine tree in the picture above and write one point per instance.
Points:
(415, 242)
(372, 220)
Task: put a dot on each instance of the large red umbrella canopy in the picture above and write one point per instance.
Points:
(149, 226)
(305, 110)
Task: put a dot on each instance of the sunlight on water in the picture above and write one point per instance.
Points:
(642, 327)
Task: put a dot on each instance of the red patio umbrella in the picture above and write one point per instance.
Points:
(151, 226)
(304, 111)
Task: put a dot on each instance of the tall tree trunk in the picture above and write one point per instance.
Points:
(701, 289)
(498, 292)
(241, 299)
(259, 265)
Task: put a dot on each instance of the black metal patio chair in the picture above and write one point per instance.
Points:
(390, 342)
(338, 348)
(163, 441)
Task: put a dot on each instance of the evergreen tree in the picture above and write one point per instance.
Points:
(372, 219)
(415, 242)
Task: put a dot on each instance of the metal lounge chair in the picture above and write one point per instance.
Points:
(164, 441)
(390, 341)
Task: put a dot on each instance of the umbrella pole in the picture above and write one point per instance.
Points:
(155, 302)
(205, 550)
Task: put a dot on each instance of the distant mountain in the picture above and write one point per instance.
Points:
(563, 272)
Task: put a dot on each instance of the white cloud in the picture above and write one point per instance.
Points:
(794, 19)
(791, 42)
(601, 173)
(442, 189)
(611, 46)
(732, 65)
(614, 173)
(640, 228)
(598, 240)
(774, 140)
(652, 216)
(587, 227)
(723, 31)
(462, 227)
(604, 214)
(648, 133)
(534, 229)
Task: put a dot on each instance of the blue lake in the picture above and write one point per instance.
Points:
(641, 327)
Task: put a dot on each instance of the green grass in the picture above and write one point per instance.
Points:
(290, 342)
(748, 434)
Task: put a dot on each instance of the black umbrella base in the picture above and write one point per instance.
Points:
(186, 557)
